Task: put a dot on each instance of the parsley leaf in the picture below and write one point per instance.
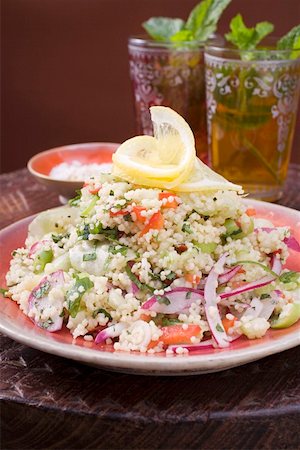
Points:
(42, 290)
(219, 328)
(103, 311)
(162, 300)
(118, 248)
(89, 256)
(246, 38)
(186, 228)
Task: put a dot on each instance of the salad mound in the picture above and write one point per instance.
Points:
(154, 269)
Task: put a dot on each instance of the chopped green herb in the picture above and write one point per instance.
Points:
(56, 238)
(46, 324)
(154, 276)
(165, 321)
(171, 276)
(128, 218)
(186, 228)
(264, 296)
(136, 281)
(118, 248)
(76, 200)
(188, 295)
(162, 299)
(89, 256)
(3, 291)
(75, 293)
(43, 290)
(111, 192)
(219, 328)
(103, 311)
(109, 233)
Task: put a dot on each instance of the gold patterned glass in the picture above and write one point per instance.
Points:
(252, 100)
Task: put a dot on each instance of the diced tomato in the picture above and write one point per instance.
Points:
(145, 317)
(121, 212)
(93, 189)
(192, 278)
(237, 284)
(175, 334)
(241, 270)
(156, 222)
(167, 195)
(251, 212)
(137, 210)
(228, 323)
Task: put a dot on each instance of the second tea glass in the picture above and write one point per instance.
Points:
(252, 99)
(168, 75)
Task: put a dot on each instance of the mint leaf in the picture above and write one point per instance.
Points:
(182, 36)
(162, 28)
(203, 19)
(291, 41)
(246, 38)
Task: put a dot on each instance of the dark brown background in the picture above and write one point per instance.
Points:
(65, 74)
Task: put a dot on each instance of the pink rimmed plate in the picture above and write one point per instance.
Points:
(17, 326)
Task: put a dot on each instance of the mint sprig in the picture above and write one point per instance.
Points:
(245, 38)
(162, 28)
(291, 41)
(201, 23)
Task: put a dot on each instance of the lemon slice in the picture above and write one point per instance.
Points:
(166, 158)
(205, 179)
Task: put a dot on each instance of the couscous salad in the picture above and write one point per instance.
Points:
(161, 255)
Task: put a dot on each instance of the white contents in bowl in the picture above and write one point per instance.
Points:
(76, 171)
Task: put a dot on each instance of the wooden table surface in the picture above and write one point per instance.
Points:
(50, 402)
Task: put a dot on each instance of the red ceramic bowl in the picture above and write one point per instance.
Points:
(40, 165)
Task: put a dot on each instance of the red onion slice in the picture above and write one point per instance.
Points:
(292, 243)
(193, 347)
(276, 265)
(110, 332)
(36, 246)
(227, 275)
(134, 289)
(248, 287)
(210, 303)
(180, 299)
(39, 298)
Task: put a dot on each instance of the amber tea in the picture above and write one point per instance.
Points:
(251, 107)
